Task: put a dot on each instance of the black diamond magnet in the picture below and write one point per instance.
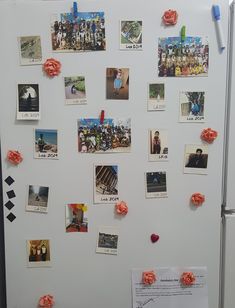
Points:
(9, 180)
(9, 205)
(11, 194)
(11, 217)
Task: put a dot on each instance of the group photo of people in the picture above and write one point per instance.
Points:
(38, 251)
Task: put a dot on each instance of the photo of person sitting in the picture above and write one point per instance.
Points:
(197, 160)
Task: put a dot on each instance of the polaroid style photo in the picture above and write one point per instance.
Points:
(107, 242)
(155, 184)
(183, 59)
(46, 143)
(158, 145)
(38, 253)
(30, 50)
(113, 136)
(196, 159)
(117, 83)
(131, 34)
(86, 32)
(37, 199)
(106, 184)
(156, 96)
(192, 107)
(28, 107)
(76, 217)
(75, 90)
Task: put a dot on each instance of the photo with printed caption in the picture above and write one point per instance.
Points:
(131, 35)
(46, 143)
(158, 145)
(30, 50)
(106, 184)
(192, 107)
(155, 183)
(28, 107)
(107, 242)
(76, 217)
(38, 253)
(156, 96)
(196, 159)
(37, 199)
(75, 90)
(117, 83)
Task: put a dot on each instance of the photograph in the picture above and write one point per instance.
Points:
(158, 145)
(113, 136)
(75, 90)
(131, 35)
(46, 143)
(156, 96)
(155, 184)
(37, 199)
(30, 50)
(117, 83)
(192, 105)
(106, 184)
(28, 102)
(107, 242)
(38, 253)
(189, 58)
(196, 159)
(86, 32)
(76, 217)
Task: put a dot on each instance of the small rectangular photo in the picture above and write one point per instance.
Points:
(30, 50)
(107, 242)
(106, 184)
(155, 183)
(37, 199)
(38, 253)
(28, 107)
(46, 143)
(76, 217)
(117, 83)
(75, 90)
(131, 34)
(192, 106)
(156, 96)
(112, 136)
(195, 159)
(158, 145)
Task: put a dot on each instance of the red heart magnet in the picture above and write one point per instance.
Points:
(154, 238)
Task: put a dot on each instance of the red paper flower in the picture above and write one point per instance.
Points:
(170, 17)
(52, 67)
(148, 277)
(209, 135)
(197, 199)
(46, 301)
(187, 278)
(14, 157)
(121, 208)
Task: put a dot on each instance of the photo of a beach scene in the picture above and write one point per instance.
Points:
(46, 144)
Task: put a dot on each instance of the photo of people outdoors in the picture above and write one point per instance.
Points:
(113, 136)
(131, 34)
(188, 58)
(75, 90)
(37, 199)
(107, 240)
(38, 253)
(76, 217)
(46, 143)
(117, 83)
(156, 184)
(196, 159)
(192, 105)
(28, 102)
(158, 145)
(156, 96)
(86, 32)
(30, 50)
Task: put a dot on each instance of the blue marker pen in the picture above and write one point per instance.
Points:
(216, 14)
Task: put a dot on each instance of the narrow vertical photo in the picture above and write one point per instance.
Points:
(192, 107)
(38, 253)
(196, 159)
(131, 35)
(30, 50)
(158, 145)
(117, 83)
(28, 107)
(37, 199)
(155, 184)
(75, 90)
(76, 217)
(107, 241)
(156, 96)
(106, 184)
(46, 143)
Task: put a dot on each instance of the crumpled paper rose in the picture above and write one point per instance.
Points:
(170, 17)
(121, 208)
(148, 277)
(14, 157)
(46, 301)
(197, 199)
(52, 67)
(209, 135)
(187, 278)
